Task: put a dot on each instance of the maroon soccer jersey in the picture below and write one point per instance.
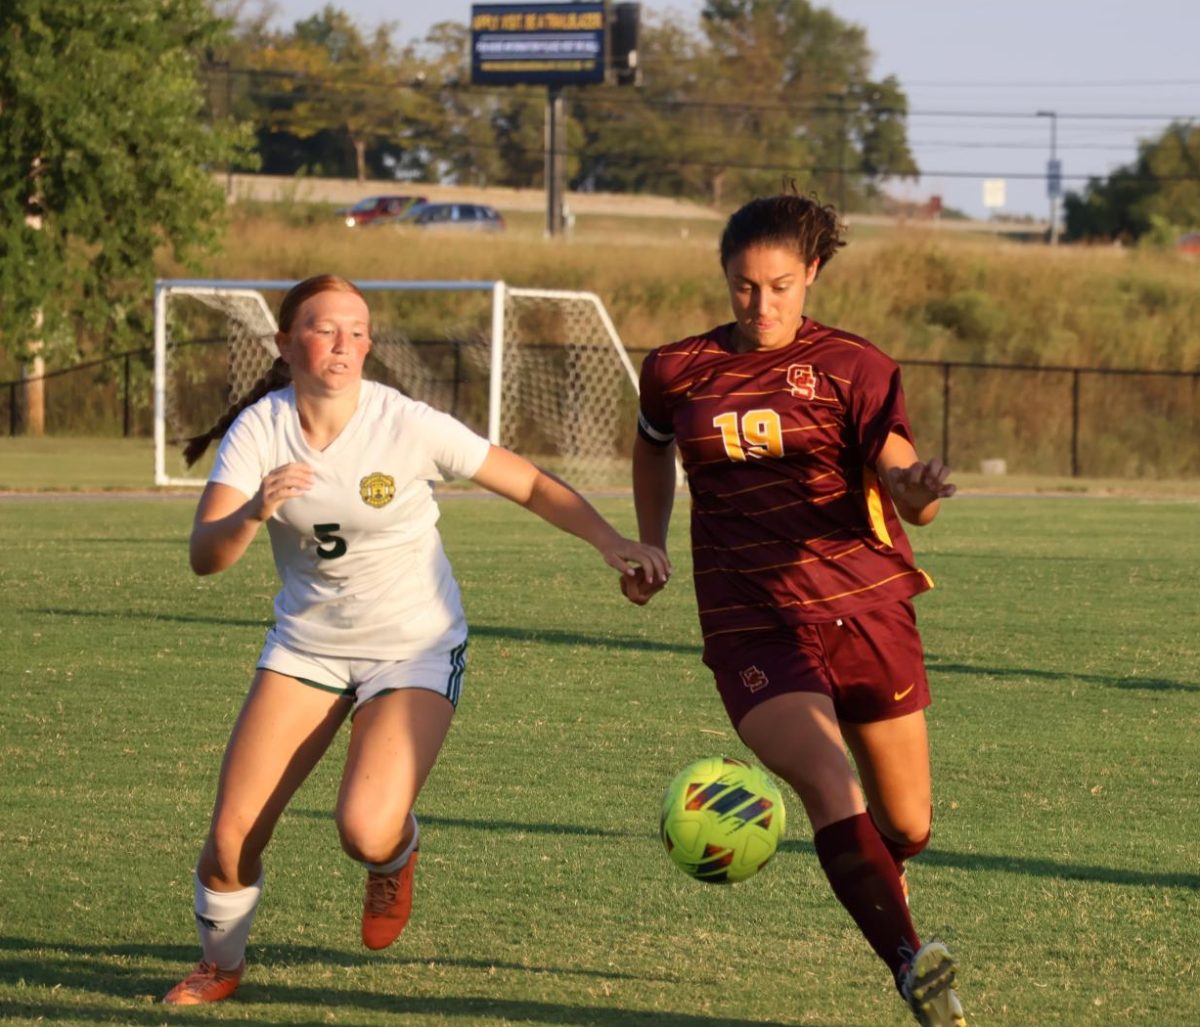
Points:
(789, 521)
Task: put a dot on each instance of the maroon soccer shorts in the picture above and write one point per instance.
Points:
(872, 666)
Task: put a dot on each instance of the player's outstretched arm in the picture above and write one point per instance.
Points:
(226, 520)
(915, 486)
(552, 499)
(653, 499)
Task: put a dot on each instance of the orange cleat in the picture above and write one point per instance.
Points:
(207, 983)
(387, 905)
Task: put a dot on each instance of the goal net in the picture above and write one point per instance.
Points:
(540, 371)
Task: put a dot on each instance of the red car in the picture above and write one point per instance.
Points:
(378, 209)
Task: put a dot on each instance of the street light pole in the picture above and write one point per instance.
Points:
(1053, 174)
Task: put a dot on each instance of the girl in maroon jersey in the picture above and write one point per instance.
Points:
(801, 466)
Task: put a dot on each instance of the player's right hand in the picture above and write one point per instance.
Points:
(639, 589)
(280, 485)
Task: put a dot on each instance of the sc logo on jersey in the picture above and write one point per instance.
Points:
(802, 381)
(377, 489)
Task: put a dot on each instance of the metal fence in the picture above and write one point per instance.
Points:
(104, 397)
(1058, 420)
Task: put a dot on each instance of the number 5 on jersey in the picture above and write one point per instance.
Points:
(332, 546)
(761, 433)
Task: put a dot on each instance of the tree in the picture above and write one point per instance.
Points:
(768, 90)
(878, 123)
(105, 163)
(1108, 209)
(459, 142)
(327, 76)
(810, 104)
(1173, 161)
(1158, 190)
(654, 138)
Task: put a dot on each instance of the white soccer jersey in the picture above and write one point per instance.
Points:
(363, 570)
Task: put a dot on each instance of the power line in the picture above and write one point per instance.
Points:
(588, 99)
(992, 145)
(678, 161)
(823, 106)
(1059, 84)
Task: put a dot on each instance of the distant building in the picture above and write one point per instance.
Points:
(915, 210)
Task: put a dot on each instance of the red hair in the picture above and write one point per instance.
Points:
(309, 288)
(279, 375)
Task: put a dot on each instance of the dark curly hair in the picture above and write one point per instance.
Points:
(789, 221)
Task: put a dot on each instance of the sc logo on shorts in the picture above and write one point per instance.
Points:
(754, 679)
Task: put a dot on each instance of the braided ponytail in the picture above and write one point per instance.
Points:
(280, 375)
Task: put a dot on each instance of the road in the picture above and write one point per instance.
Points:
(339, 191)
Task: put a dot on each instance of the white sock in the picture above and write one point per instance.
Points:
(223, 920)
(395, 864)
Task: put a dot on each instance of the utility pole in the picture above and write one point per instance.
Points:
(212, 66)
(842, 140)
(1053, 174)
(228, 118)
(33, 367)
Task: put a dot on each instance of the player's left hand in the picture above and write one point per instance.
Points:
(638, 590)
(921, 483)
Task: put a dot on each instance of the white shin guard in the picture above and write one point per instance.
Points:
(223, 922)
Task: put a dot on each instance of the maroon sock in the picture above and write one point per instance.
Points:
(865, 881)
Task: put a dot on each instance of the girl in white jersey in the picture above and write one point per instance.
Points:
(368, 621)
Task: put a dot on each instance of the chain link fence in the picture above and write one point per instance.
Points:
(1060, 421)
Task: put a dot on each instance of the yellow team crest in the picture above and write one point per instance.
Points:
(377, 489)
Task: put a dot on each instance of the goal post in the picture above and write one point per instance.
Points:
(541, 371)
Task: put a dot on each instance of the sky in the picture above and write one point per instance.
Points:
(1107, 72)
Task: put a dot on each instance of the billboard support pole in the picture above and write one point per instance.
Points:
(557, 43)
(555, 160)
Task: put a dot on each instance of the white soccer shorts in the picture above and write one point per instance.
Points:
(364, 680)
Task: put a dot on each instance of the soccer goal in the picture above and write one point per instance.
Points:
(540, 371)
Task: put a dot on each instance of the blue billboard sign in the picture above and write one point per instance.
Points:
(1054, 176)
(538, 44)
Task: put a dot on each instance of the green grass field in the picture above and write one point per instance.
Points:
(1063, 649)
(86, 464)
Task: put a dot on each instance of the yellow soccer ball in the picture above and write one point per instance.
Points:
(722, 820)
